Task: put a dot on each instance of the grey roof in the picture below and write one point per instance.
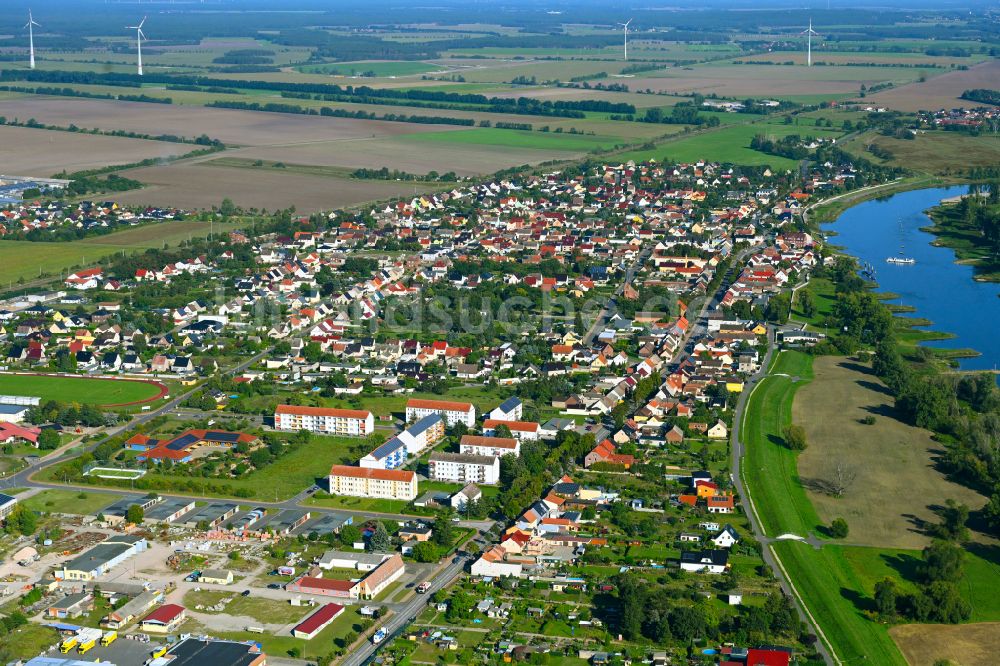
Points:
(387, 448)
(165, 509)
(212, 652)
(354, 556)
(444, 456)
(97, 556)
(510, 403)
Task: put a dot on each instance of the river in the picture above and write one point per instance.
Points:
(939, 289)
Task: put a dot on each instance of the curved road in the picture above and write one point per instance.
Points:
(746, 502)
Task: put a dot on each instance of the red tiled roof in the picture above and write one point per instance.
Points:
(445, 405)
(321, 411)
(372, 473)
(324, 584)
(165, 614)
(319, 618)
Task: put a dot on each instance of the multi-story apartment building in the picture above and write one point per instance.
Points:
(475, 445)
(389, 455)
(451, 412)
(330, 421)
(368, 482)
(464, 468)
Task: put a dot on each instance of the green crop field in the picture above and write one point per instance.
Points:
(77, 389)
(372, 68)
(769, 468)
(27, 260)
(488, 136)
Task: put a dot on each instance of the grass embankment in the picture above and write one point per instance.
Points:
(769, 467)
(965, 240)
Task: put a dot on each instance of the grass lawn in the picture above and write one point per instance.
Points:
(483, 397)
(70, 501)
(769, 468)
(77, 389)
(363, 504)
(824, 296)
(297, 470)
(932, 152)
(263, 610)
(281, 646)
(27, 641)
(832, 590)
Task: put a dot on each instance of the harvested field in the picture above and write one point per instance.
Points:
(766, 80)
(941, 91)
(896, 486)
(203, 185)
(399, 153)
(933, 152)
(38, 152)
(964, 644)
(229, 126)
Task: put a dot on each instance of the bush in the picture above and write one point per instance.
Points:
(839, 528)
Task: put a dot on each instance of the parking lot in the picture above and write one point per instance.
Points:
(126, 651)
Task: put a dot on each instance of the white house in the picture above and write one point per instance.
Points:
(705, 561)
(508, 410)
(727, 538)
(451, 412)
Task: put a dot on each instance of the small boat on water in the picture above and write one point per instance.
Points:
(901, 261)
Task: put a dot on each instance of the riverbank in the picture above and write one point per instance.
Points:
(964, 239)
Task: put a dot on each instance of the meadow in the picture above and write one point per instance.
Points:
(931, 152)
(70, 501)
(897, 485)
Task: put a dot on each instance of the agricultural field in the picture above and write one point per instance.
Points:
(940, 92)
(897, 484)
(203, 185)
(928, 644)
(931, 152)
(372, 68)
(101, 392)
(37, 152)
(26, 260)
(729, 144)
(232, 127)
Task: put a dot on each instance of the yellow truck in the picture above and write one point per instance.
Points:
(159, 652)
(109, 638)
(68, 644)
(88, 638)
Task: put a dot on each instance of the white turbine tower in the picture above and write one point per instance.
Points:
(139, 37)
(625, 27)
(30, 25)
(809, 32)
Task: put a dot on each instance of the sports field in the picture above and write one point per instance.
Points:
(103, 392)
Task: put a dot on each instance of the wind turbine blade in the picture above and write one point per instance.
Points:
(142, 21)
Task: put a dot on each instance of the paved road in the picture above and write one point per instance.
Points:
(609, 307)
(746, 501)
(407, 612)
(23, 477)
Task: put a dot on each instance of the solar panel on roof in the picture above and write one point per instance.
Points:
(388, 447)
(219, 436)
(182, 442)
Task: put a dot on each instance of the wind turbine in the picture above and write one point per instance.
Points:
(31, 38)
(625, 27)
(809, 32)
(139, 37)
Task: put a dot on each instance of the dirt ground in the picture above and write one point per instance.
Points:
(203, 186)
(36, 152)
(246, 128)
(940, 92)
(963, 644)
(896, 486)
